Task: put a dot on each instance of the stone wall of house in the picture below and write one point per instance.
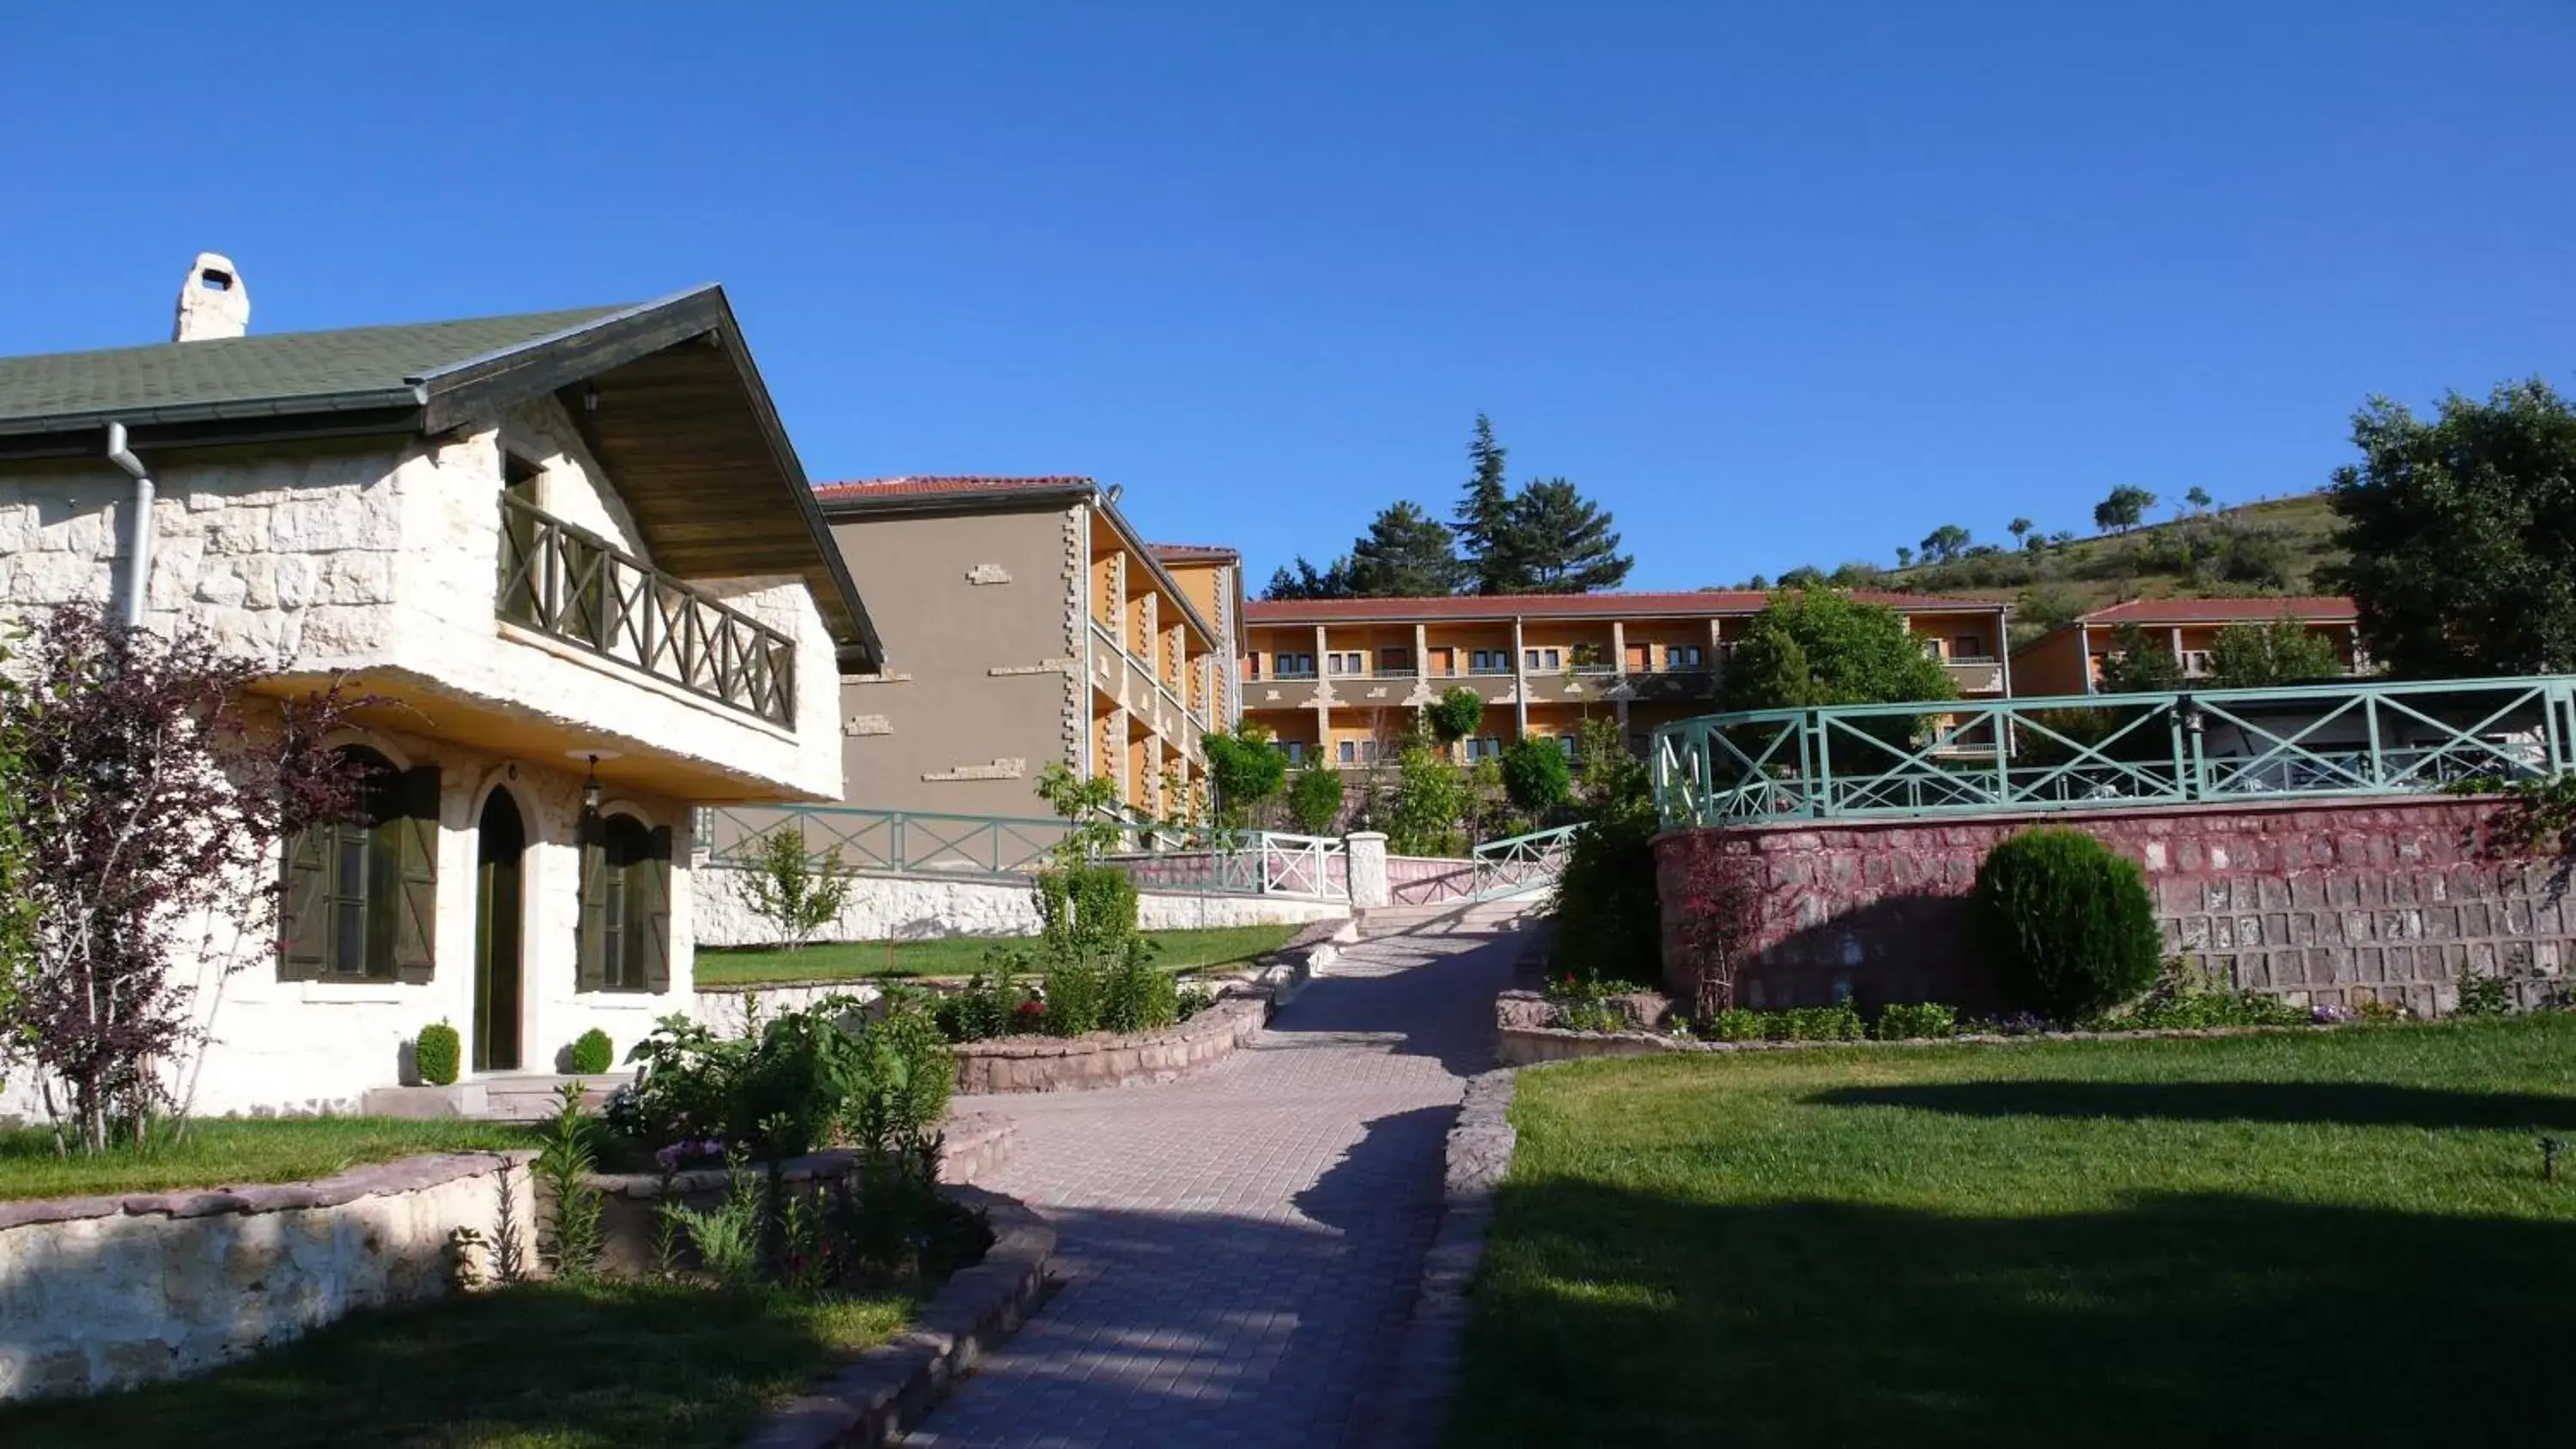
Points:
(281, 1047)
(383, 558)
(106, 1293)
(915, 907)
(2318, 902)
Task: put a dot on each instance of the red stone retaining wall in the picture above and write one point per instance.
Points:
(2317, 902)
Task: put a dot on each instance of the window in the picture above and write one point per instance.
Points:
(1565, 743)
(1543, 659)
(1484, 749)
(2195, 662)
(1931, 648)
(1295, 750)
(1490, 661)
(1682, 656)
(359, 900)
(1357, 752)
(1967, 646)
(1252, 665)
(1348, 662)
(1391, 660)
(1296, 666)
(625, 938)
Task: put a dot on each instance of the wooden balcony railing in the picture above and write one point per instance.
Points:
(570, 584)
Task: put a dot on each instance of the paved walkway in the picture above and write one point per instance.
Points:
(1240, 1249)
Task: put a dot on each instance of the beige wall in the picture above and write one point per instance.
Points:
(979, 674)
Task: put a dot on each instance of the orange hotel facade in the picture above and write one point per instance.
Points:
(1344, 678)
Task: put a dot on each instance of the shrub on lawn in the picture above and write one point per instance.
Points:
(1072, 988)
(2065, 924)
(1838, 1022)
(2483, 996)
(437, 1053)
(1914, 1021)
(832, 1072)
(2184, 998)
(592, 1053)
(1736, 1023)
(989, 1006)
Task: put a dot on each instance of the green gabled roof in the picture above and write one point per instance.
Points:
(348, 369)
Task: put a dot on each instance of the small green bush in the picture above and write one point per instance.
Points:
(1072, 989)
(1134, 996)
(437, 1054)
(592, 1053)
(1536, 775)
(2483, 996)
(1736, 1024)
(988, 1006)
(1917, 1020)
(2065, 924)
(1838, 1022)
(1315, 798)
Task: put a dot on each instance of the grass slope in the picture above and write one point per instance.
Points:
(963, 956)
(2304, 1237)
(535, 1366)
(220, 1151)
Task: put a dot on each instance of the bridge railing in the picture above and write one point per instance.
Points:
(1521, 864)
(1246, 862)
(1953, 757)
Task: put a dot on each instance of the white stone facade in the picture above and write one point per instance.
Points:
(381, 557)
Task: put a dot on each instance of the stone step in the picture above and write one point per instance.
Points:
(530, 1096)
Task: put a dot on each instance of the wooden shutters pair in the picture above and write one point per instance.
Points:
(646, 929)
(401, 893)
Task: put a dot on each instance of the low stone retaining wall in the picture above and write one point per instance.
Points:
(892, 1387)
(100, 1293)
(919, 907)
(1059, 1064)
(1522, 1046)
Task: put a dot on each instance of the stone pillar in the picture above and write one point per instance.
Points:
(1368, 869)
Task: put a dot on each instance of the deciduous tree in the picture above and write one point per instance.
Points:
(2123, 509)
(1816, 646)
(2140, 663)
(2462, 533)
(2284, 651)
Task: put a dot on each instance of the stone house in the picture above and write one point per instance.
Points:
(574, 555)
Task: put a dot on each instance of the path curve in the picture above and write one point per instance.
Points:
(1241, 1248)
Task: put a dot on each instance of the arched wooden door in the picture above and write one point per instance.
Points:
(501, 847)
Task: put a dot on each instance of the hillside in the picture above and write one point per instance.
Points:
(2277, 546)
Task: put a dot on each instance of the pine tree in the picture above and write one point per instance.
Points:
(1405, 553)
(1560, 542)
(1484, 515)
(1308, 582)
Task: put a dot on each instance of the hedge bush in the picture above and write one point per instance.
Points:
(437, 1054)
(2065, 924)
(1911, 1021)
(592, 1053)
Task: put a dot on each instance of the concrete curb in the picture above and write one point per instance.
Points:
(1428, 1358)
(891, 1388)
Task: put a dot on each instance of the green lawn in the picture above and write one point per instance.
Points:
(2299, 1238)
(964, 956)
(537, 1366)
(221, 1151)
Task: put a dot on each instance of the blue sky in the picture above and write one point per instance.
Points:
(1776, 287)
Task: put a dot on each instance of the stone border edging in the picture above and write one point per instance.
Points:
(1529, 1046)
(1427, 1359)
(890, 1388)
(415, 1173)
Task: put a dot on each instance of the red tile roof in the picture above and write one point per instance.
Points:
(1548, 606)
(1192, 552)
(2314, 608)
(929, 484)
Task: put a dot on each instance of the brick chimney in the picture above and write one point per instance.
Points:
(213, 302)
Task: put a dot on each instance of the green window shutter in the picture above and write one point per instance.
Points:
(303, 908)
(655, 877)
(590, 972)
(413, 887)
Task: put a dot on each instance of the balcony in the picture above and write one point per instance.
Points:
(1143, 694)
(573, 586)
(1976, 676)
(1664, 685)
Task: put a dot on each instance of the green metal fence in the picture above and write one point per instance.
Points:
(2070, 753)
(1520, 865)
(888, 840)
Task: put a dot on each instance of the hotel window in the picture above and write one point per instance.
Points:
(1682, 656)
(1394, 661)
(1295, 750)
(1348, 662)
(1931, 648)
(1484, 749)
(2195, 662)
(1967, 646)
(1296, 666)
(1565, 743)
(1490, 661)
(1543, 659)
(1358, 752)
(1252, 665)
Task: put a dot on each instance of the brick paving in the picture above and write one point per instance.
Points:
(1240, 1249)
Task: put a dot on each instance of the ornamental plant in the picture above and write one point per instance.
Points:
(1455, 715)
(795, 893)
(592, 1053)
(151, 793)
(437, 1053)
(1536, 776)
(1315, 798)
(2065, 923)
